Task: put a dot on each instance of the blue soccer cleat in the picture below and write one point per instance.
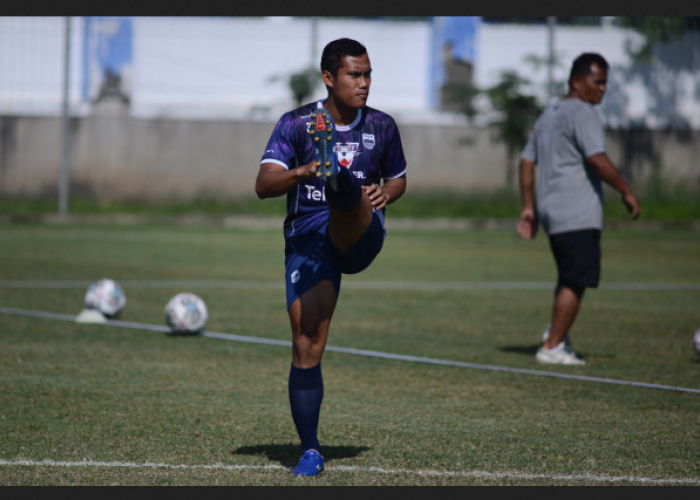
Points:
(311, 464)
(324, 137)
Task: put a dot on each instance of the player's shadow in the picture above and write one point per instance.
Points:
(531, 350)
(288, 454)
(526, 350)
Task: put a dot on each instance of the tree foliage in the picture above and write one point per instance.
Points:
(303, 84)
(518, 112)
(659, 29)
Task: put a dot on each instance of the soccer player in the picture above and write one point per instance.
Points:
(568, 147)
(340, 163)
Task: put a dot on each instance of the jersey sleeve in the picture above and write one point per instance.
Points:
(590, 132)
(393, 163)
(288, 144)
(530, 151)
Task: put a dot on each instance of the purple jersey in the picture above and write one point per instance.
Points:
(370, 148)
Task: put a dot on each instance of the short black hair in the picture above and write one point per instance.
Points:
(333, 53)
(582, 64)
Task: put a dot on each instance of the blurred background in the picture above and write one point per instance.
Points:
(165, 110)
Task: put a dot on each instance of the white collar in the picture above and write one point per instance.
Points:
(344, 128)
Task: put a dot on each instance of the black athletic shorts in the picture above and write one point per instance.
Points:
(577, 254)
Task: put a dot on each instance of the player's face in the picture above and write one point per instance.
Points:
(591, 88)
(351, 86)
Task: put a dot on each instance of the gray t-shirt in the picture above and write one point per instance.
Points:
(569, 192)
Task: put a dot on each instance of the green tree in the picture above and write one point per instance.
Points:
(518, 112)
(303, 84)
(659, 29)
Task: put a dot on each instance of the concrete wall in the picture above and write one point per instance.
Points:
(114, 155)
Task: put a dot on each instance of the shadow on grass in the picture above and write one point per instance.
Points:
(525, 350)
(288, 454)
(531, 350)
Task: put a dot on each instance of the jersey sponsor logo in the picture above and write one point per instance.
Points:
(315, 194)
(368, 141)
(295, 276)
(346, 153)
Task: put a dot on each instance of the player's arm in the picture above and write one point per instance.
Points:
(605, 169)
(274, 180)
(388, 193)
(528, 224)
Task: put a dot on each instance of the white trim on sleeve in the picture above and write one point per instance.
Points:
(396, 176)
(276, 162)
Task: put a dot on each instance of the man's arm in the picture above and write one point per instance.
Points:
(274, 180)
(528, 224)
(606, 170)
(384, 195)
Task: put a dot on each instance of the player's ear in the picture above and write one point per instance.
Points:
(575, 83)
(328, 79)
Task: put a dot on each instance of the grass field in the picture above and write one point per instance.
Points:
(674, 206)
(107, 405)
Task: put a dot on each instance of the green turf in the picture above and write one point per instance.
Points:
(100, 393)
(669, 205)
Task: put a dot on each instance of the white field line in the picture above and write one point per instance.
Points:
(371, 470)
(358, 285)
(357, 352)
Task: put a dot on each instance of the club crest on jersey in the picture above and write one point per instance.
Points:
(368, 141)
(346, 153)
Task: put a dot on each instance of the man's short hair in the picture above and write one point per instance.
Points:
(582, 64)
(333, 53)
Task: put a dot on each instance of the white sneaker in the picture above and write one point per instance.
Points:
(566, 340)
(560, 355)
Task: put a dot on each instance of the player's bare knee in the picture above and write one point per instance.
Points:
(306, 354)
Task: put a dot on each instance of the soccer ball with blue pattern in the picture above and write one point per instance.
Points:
(186, 313)
(106, 296)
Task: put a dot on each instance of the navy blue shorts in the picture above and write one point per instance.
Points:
(313, 258)
(577, 255)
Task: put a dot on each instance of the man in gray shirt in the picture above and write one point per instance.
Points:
(567, 145)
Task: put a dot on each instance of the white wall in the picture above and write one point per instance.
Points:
(236, 68)
(637, 93)
(239, 67)
(32, 51)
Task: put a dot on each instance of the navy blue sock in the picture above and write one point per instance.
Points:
(305, 396)
(345, 191)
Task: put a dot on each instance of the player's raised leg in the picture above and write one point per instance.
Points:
(350, 208)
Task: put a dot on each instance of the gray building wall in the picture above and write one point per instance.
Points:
(116, 156)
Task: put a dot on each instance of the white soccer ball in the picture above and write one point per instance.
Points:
(696, 342)
(106, 296)
(186, 313)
